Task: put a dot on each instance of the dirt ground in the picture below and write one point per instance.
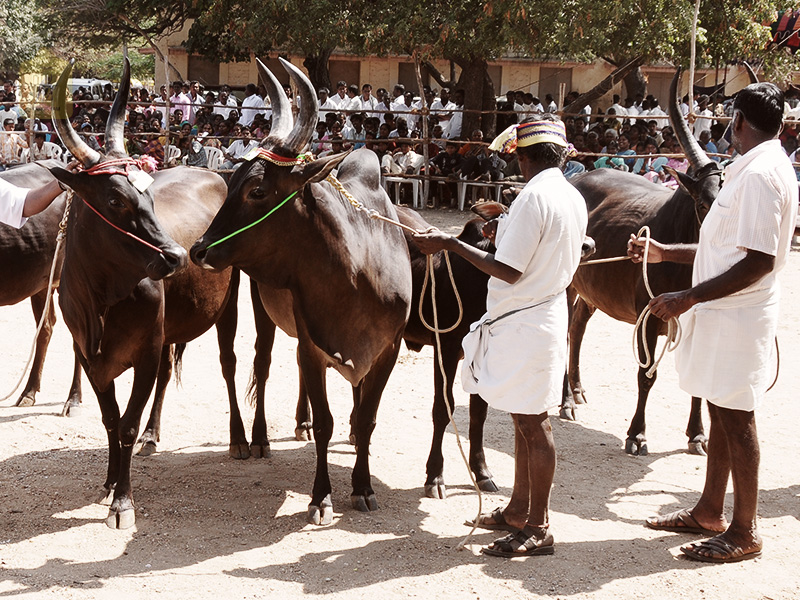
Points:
(208, 526)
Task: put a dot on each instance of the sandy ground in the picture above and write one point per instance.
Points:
(208, 526)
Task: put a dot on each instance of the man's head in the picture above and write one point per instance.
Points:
(323, 94)
(352, 90)
(451, 147)
(341, 88)
(761, 106)
(177, 87)
(8, 124)
(399, 90)
(249, 89)
(542, 143)
(366, 91)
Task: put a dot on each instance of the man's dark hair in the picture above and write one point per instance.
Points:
(762, 106)
(546, 153)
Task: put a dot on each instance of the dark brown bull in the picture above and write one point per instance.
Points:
(27, 255)
(620, 204)
(121, 311)
(328, 274)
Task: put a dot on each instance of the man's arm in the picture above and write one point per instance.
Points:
(746, 272)
(434, 240)
(40, 198)
(658, 252)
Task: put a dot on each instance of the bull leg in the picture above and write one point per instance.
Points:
(147, 444)
(354, 416)
(698, 442)
(121, 514)
(38, 300)
(110, 416)
(636, 442)
(72, 407)
(265, 338)
(363, 496)
(582, 312)
(312, 369)
(226, 334)
(477, 458)
(434, 484)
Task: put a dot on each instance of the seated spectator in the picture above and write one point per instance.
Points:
(643, 166)
(624, 142)
(11, 145)
(195, 154)
(234, 156)
(707, 144)
(154, 147)
(610, 162)
(354, 134)
(447, 164)
(337, 146)
(404, 160)
(39, 151)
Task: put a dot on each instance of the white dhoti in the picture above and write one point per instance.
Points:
(516, 361)
(726, 354)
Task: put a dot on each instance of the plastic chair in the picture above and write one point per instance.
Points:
(415, 184)
(462, 189)
(57, 151)
(214, 156)
(173, 153)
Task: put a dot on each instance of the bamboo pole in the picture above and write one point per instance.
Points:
(424, 116)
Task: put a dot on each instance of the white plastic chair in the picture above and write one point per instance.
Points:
(462, 190)
(415, 184)
(214, 156)
(57, 151)
(173, 153)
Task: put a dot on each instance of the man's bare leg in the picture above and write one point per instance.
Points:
(516, 513)
(538, 434)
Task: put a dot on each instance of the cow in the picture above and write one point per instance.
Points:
(328, 274)
(620, 204)
(126, 234)
(27, 255)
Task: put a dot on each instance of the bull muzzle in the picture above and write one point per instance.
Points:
(173, 258)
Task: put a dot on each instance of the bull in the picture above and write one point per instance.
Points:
(27, 255)
(126, 234)
(327, 274)
(620, 204)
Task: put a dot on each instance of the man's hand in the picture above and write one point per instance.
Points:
(432, 240)
(489, 230)
(671, 304)
(655, 253)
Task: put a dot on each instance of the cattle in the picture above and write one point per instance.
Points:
(27, 255)
(327, 274)
(125, 235)
(620, 204)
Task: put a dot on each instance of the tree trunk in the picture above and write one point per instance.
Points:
(635, 83)
(478, 96)
(602, 88)
(317, 67)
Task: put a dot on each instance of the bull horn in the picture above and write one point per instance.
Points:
(306, 122)
(77, 147)
(115, 126)
(697, 157)
(750, 72)
(281, 109)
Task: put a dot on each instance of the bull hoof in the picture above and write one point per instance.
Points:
(580, 395)
(105, 497)
(322, 514)
(145, 445)
(698, 445)
(239, 451)
(636, 446)
(121, 515)
(27, 399)
(260, 450)
(487, 485)
(437, 489)
(303, 433)
(366, 503)
(72, 408)
(568, 413)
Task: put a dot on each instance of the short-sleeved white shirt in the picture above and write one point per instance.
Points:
(12, 203)
(756, 209)
(541, 237)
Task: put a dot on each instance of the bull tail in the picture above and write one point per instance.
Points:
(251, 395)
(177, 363)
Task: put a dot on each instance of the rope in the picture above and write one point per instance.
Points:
(429, 275)
(62, 232)
(673, 330)
(374, 214)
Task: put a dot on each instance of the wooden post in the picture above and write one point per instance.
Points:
(424, 117)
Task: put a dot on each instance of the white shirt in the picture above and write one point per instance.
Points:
(760, 191)
(702, 123)
(444, 112)
(370, 104)
(12, 203)
(455, 123)
(251, 106)
(337, 100)
(230, 104)
(541, 237)
(238, 148)
(398, 105)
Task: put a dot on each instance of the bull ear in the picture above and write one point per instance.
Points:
(319, 169)
(68, 178)
(489, 210)
(684, 180)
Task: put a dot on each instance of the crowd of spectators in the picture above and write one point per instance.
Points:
(633, 134)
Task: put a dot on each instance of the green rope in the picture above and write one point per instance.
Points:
(254, 223)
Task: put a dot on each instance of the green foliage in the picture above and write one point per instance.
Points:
(104, 65)
(20, 33)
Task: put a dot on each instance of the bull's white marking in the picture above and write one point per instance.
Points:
(338, 357)
(349, 363)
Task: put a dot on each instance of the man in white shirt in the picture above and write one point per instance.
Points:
(251, 105)
(196, 100)
(729, 318)
(326, 105)
(367, 101)
(398, 104)
(704, 117)
(234, 157)
(442, 107)
(226, 102)
(11, 145)
(340, 95)
(458, 115)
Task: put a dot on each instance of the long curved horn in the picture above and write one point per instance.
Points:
(281, 109)
(750, 72)
(697, 157)
(306, 122)
(115, 126)
(77, 147)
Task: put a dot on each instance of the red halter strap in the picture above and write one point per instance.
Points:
(110, 167)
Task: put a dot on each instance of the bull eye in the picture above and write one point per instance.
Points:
(258, 193)
(115, 202)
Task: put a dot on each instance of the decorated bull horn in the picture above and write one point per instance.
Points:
(697, 157)
(306, 122)
(281, 109)
(750, 72)
(77, 147)
(115, 126)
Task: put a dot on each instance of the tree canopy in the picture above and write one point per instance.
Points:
(21, 33)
